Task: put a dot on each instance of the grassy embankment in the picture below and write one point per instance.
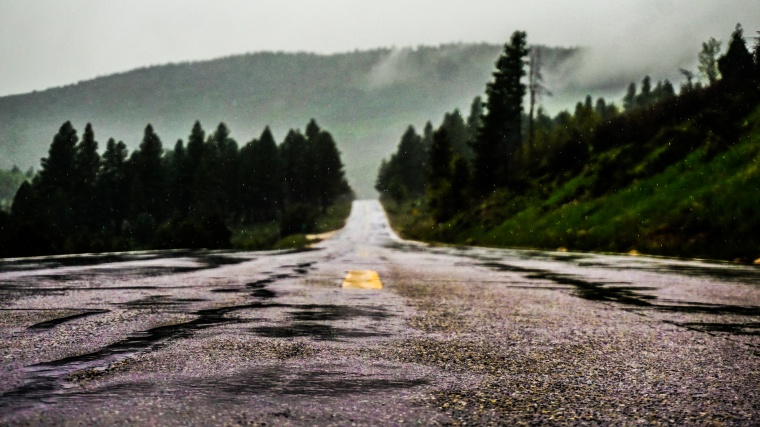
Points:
(706, 204)
(266, 235)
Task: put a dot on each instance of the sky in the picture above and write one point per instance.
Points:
(48, 43)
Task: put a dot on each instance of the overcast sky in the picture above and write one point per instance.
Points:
(46, 43)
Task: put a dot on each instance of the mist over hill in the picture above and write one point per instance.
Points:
(365, 98)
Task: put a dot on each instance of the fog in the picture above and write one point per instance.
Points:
(52, 43)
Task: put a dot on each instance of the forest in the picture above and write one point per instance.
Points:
(666, 173)
(191, 196)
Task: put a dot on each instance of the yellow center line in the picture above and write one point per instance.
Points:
(362, 279)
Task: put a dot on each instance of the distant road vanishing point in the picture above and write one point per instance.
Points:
(368, 329)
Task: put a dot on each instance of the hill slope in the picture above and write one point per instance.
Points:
(365, 98)
(678, 178)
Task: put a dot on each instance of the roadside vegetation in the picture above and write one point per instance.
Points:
(207, 193)
(668, 173)
(268, 235)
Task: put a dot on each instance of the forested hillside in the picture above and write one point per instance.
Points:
(364, 98)
(666, 173)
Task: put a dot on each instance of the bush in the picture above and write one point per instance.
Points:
(298, 219)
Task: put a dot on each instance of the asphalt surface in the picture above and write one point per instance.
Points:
(455, 336)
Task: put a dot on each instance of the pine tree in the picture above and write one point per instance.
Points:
(644, 98)
(149, 187)
(331, 181)
(427, 136)
(737, 64)
(629, 100)
(458, 133)
(439, 176)
(410, 163)
(113, 186)
(87, 166)
(261, 179)
(474, 120)
(227, 171)
(296, 168)
(195, 152)
(500, 135)
(58, 168)
(54, 186)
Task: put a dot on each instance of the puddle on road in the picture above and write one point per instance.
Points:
(159, 300)
(317, 381)
(227, 290)
(317, 331)
(634, 296)
(100, 265)
(317, 313)
(263, 293)
(751, 328)
(49, 324)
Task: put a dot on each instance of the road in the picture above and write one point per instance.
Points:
(455, 335)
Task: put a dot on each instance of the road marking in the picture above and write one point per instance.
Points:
(362, 279)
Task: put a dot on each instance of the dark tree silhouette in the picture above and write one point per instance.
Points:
(149, 186)
(261, 179)
(87, 165)
(113, 186)
(737, 63)
(500, 135)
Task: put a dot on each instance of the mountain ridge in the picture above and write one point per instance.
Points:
(364, 97)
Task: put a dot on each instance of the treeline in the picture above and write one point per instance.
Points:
(10, 180)
(186, 197)
(502, 151)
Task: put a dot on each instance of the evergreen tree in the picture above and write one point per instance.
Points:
(460, 184)
(261, 179)
(296, 168)
(227, 172)
(57, 169)
(87, 166)
(411, 161)
(427, 136)
(178, 178)
(644, 98)
(474, 119)
(329, 181)
(439, 176)
(30, 231)
(149, 187)
(500, 135)
(53, 186)
(195, 152)
(629, 100)
(113, 186)
(458, 133)
(737, 63)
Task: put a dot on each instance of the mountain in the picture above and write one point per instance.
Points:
(365, 98)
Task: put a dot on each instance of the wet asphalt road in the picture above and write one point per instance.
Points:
(456, 336)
